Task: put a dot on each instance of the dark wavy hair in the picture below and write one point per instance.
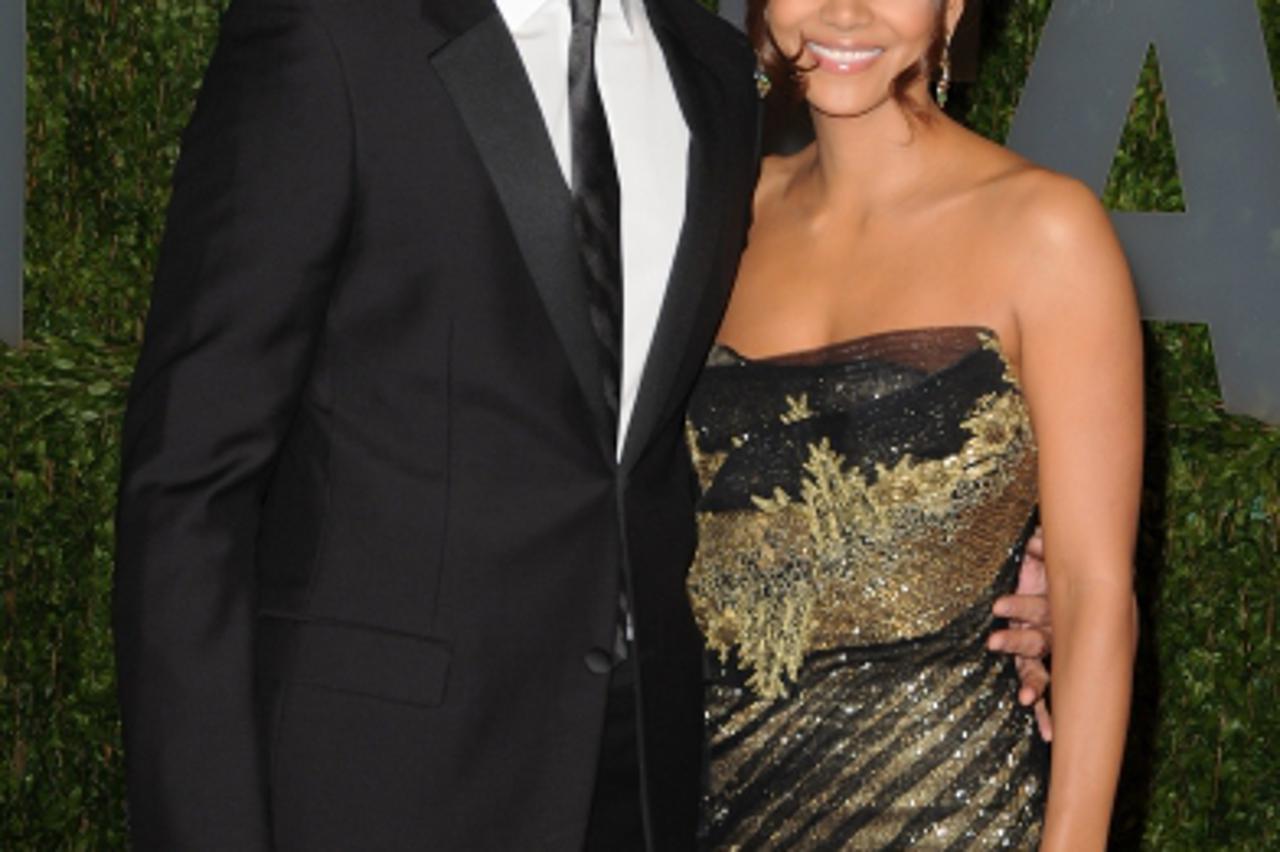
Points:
(788, 78)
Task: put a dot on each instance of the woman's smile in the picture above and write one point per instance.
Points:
(839, 59)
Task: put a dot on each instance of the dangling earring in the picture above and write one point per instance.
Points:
(763, 84)
(944, 82)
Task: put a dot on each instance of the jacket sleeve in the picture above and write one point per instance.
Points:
(256, 229)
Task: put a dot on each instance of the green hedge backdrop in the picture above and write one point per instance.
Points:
(110, 85)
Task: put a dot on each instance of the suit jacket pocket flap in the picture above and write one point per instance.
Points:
(355, 658)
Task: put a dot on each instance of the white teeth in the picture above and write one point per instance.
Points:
(844, 57)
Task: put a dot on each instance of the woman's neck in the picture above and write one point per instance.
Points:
(863, 164)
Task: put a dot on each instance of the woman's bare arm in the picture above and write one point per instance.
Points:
(1081, 365)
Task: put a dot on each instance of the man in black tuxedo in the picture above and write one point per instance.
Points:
(405, 510)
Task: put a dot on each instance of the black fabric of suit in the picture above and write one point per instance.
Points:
(371, 528)
(615, 822)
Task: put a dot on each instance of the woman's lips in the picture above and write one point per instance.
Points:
(843, 60)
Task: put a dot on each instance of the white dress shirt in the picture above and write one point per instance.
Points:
(650, 145)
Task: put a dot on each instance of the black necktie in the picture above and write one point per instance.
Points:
(598, 219)
(596, 197)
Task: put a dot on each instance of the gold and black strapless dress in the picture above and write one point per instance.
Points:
(862, 507)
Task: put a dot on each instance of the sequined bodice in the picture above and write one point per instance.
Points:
(861, 507)
(881, 483)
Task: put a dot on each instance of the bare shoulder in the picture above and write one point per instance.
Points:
(1055, 235)
(1053, 212)
(1066, 266)
(1040, 230)
(1010, 189)
(1022, 204)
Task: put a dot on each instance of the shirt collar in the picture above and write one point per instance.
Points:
(516, 13)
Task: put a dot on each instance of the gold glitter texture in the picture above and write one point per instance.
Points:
(847, 597)
(857, 560)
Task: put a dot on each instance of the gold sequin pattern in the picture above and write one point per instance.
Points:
(874, 754)
(862, 507)
(856, 559)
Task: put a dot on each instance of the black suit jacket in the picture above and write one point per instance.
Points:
(371, 528)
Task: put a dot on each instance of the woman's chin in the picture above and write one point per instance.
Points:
(835, 105)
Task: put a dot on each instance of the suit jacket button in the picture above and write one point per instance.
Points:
(598, 661)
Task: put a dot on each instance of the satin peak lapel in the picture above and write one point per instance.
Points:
(484, 75)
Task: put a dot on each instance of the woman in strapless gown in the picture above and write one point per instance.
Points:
(932, 346)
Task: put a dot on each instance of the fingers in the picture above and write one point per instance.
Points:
(1029, 646)
(1032, 610)
(1020, 642)
(1032, 576)
(1034, 678)
(1044, 721)
(1029, 636)
(1035, 545)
